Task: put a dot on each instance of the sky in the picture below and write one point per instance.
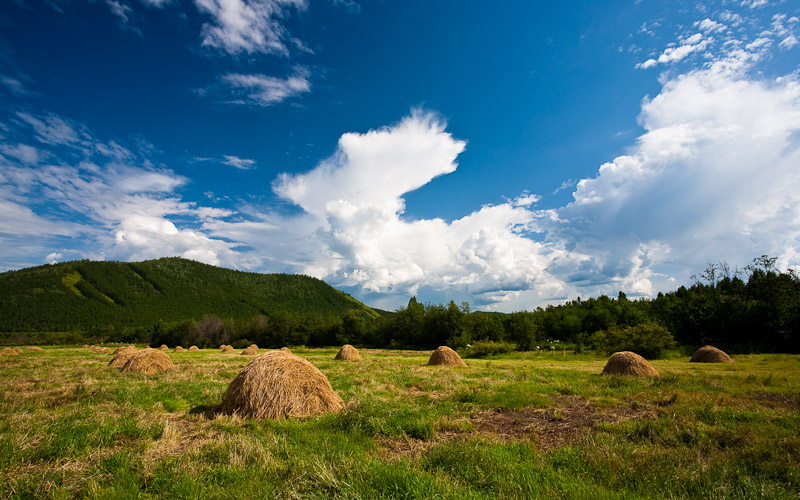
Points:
(509, 155)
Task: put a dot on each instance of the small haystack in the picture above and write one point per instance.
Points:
(85, 346)
(18, 350)
(179, 349)
(286, 349)
(123, 348)
(226, 349)
(349, 353)
(34, 348)
(122, 355)
(254, 346)
(9, 352)
(444, 356)
(629, 364)
(278, 385)
(250, 351)
(163, 347)
(194, 348)
(148, 361)
(710, 354)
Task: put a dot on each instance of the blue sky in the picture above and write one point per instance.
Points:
(511, 156)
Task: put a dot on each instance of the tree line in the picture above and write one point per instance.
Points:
(754, 310)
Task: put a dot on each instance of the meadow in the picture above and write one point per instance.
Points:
(521, 425)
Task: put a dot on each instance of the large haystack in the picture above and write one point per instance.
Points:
(226, 349)
(34, 348)
(148, 361)
(349, 353)
(179, 349)
(194, 348)
(18, 350)
(124, 348)
(278, 385)
(444, 356)
(250, 351)
(163, 347)
(254, 346)
(122, 355)
(710, 354)
(9, 352)
(630, 364)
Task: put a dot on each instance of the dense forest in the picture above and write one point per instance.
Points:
(174, 301)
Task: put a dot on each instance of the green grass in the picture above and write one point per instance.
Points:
(524, 425)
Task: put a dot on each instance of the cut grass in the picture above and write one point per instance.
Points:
(528, 425)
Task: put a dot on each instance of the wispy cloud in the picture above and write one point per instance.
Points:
(247, 26)
(262, 90)
(240, 163)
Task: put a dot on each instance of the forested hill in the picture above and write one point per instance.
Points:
(85, 294)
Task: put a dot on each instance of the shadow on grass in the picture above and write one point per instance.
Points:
(208, 411)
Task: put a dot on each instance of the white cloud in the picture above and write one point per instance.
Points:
(247, 26)
(53, 258)
(694, 43)
(753, 4)
(788, 42)
(240, 163)
(264, 91)
(709, 26)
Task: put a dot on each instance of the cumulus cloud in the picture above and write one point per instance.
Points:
(247, 26)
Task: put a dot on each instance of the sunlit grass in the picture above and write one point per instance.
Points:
(523, 425)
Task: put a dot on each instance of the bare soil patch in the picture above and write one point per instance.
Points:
(562, 424)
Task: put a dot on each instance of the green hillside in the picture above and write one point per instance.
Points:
(86, 294)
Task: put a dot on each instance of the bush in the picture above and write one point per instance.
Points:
(483, 348)
(646, 340)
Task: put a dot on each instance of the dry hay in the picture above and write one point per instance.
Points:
(100, 350)
(254, 346)
(18, 350)
(85, 346)
(710, 354)
(9, 352)
(349, 353)
(123, 348)
(444, 356)
(226, 349)
(286, 349)
(278, 385)
(122, 355)
(630, 364)
(179, 349)
(34, 348)
(194, 348)
(163, 347)
(250, 351)
(148, 361)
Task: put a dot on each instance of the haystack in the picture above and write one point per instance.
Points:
(9, 352)
(163, 347)
(444, 356)
(123, 348)
(710, 354)
(250, 351)
(254, 346)
(349, 353)
(122, 355)
(278, 385)
(18, 350)
(226, 349)
(630, 364)
(148, 361)
(286, 349)
(85, 346)
(179, 349)
(35, 348)
(194, 348)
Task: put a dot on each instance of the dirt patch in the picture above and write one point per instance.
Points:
(783, 400)
(571, 417)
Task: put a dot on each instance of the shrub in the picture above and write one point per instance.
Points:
(646, 340)
(483, 348)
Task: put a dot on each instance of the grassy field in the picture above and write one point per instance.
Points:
(530, 425)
